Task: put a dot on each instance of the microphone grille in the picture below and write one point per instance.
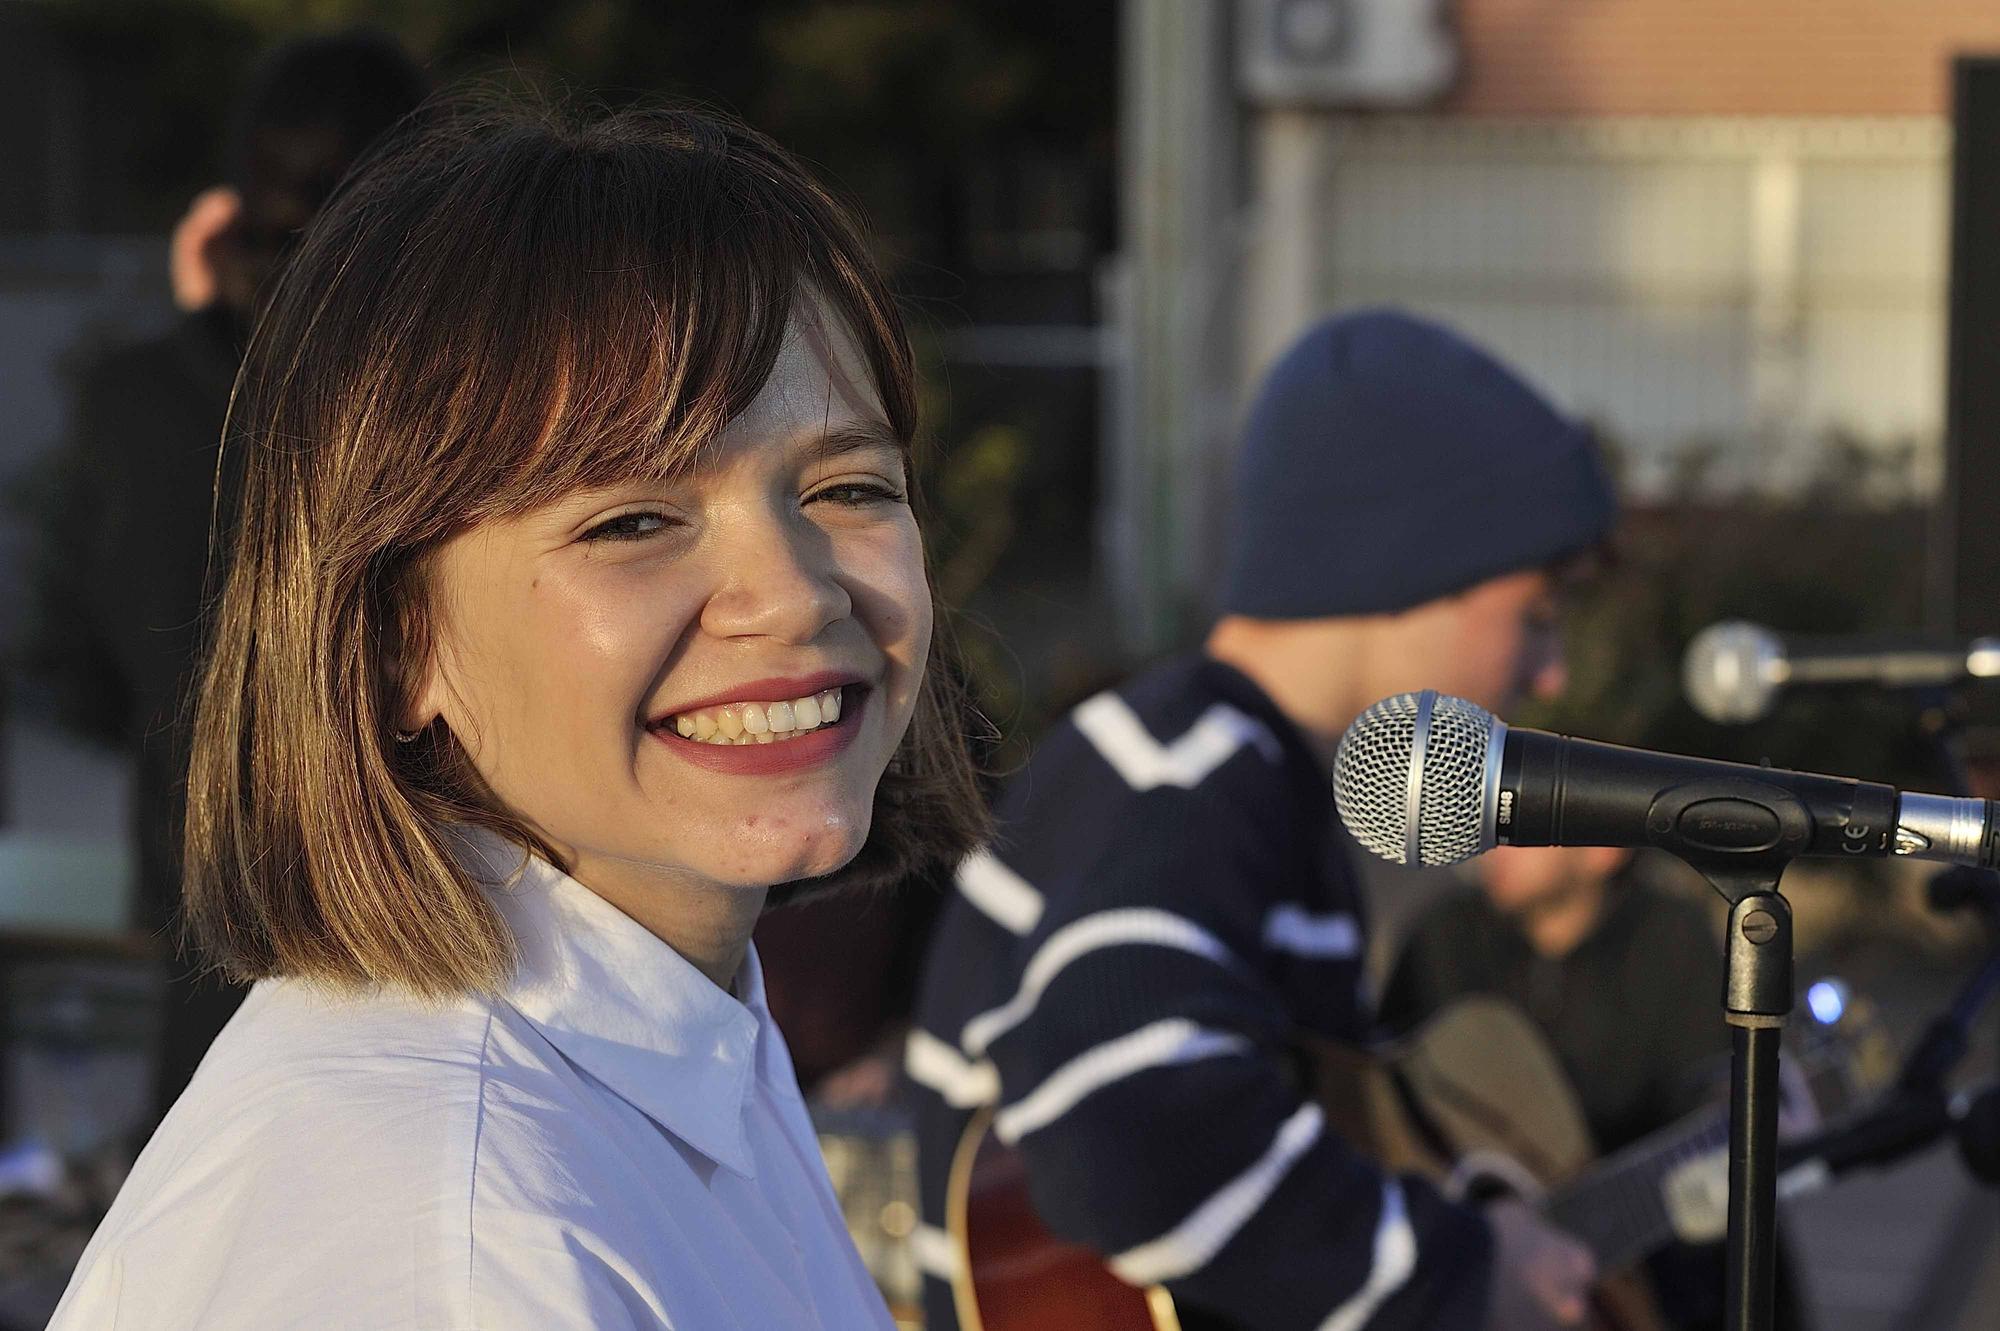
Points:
(1373, 769)
(1729, 671)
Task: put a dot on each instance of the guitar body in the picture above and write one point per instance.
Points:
(1473, 1098)
(1474, 1088)
(1013, 1275)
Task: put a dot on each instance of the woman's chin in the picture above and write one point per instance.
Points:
(816, 859)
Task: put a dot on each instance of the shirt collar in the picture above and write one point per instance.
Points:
(624, 1006)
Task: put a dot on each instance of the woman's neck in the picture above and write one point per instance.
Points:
(707, 923)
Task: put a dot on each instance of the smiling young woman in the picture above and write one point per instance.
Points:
(577, 607)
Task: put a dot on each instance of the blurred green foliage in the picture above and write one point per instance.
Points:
(969, 479)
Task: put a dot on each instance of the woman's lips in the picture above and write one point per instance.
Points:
(802, 750)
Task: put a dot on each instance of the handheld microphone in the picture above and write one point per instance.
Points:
(1732, 671)
(1425, 778)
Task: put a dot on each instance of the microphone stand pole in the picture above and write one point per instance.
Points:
(1715, 827)
(1757, 997)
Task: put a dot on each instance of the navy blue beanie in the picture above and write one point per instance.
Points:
(1388, 462)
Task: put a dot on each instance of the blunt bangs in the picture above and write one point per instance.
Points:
(500, 308)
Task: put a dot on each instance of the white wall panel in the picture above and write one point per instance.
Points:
(1743, 287)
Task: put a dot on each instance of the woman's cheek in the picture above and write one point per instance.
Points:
(909, 595)
(892, 600)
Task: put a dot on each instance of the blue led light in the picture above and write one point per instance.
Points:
(1828, 1000)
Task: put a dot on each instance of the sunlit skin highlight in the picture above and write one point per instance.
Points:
(567, 634)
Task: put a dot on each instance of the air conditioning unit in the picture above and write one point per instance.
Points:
(1345, 53)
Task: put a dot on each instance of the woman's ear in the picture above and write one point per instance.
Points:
(423, 704)
(414, 682)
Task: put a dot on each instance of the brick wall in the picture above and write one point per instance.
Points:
(1715, 57)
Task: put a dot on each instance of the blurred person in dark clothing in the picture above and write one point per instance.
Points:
(124, 555)
(1622, 974)
(1573, 936)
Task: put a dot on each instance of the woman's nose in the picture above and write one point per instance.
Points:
(777, 580)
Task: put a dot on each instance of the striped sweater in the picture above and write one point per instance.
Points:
(1166, 905)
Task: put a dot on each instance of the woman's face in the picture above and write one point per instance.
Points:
(700, 680)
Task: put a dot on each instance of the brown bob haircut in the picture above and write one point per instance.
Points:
(502, 306)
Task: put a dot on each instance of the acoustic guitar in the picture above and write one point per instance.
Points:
(1474, 1100)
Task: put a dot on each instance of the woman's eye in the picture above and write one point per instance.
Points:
(857, 494)
(628, 527)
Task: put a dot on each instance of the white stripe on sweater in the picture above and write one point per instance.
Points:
(962, 1082)
(1190, 1245)
(934, 1251)
(1000, 894)
(1395, 1259)
(1131, 926)
(1291, 928)
(1111, 725)
(1161, 1044)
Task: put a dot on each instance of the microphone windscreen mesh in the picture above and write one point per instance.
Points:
(1726, 671)
(1371, 779)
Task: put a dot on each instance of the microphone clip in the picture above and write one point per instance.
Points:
(1738, 834)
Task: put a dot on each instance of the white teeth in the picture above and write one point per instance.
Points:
(759, 722)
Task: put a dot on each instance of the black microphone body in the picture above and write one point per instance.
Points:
(1886, 662)
(1557, 791)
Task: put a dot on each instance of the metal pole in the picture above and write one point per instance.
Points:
(1174, 320)
(1753, 1145)
(1757, 998)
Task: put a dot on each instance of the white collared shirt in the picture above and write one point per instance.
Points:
(615, 1144)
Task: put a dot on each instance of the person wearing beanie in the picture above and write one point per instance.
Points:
(1122, 975)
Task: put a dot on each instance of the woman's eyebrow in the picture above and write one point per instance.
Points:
(853, 438)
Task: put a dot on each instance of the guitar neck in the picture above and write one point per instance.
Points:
(1619, 1206)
